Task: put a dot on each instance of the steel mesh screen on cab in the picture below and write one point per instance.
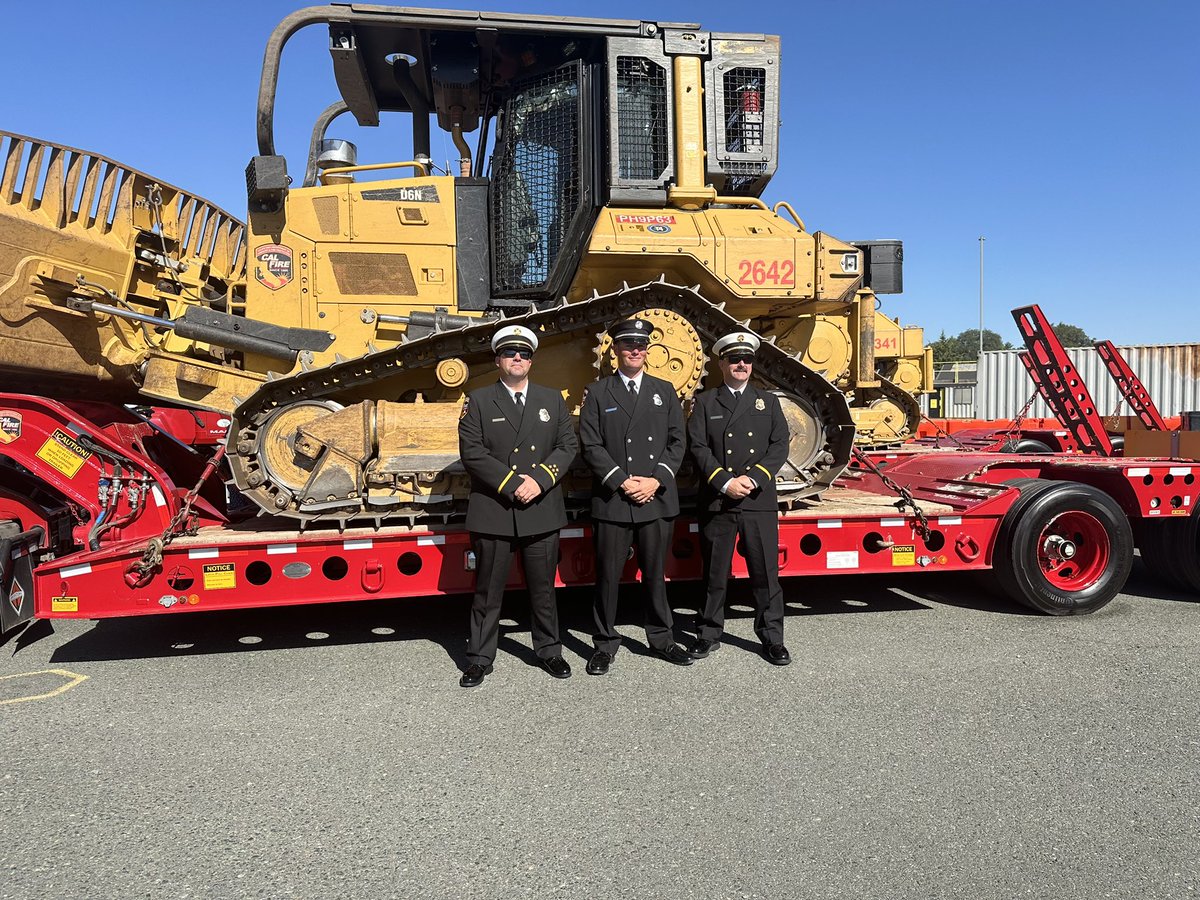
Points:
(536, 179)
(641, 118)
(744, 92)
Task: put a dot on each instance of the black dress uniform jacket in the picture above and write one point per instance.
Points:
(622, 439)
(498, 444)
(728, 439)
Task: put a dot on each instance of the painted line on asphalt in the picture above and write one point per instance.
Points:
(74, 680)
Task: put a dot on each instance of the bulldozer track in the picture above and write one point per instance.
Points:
(778, 369)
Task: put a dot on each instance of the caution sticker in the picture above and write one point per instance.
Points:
(220, 576)
(904, 555)
(64, 453)
(64, 604)
(10, 426)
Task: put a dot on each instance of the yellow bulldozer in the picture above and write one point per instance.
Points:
(617, 169)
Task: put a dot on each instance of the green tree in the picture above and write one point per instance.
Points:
(1072, 335)
(965, 347)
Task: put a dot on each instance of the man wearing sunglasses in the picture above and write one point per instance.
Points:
(632, 434)
(516, 442)
(739, 439)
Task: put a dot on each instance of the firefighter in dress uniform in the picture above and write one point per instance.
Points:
(631, 431)
(516, 442)
(739, 438)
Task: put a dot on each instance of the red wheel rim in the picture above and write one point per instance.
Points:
(1073, 551)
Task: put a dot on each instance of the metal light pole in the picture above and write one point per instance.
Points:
(981, 239)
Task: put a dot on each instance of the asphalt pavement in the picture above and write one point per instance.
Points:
(928, 741)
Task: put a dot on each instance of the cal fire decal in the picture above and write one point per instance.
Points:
(273, 266)
(10, 426)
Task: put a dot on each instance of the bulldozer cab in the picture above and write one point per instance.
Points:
(577, 113)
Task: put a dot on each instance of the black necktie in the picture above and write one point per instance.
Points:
(520, 401)
(633, 389)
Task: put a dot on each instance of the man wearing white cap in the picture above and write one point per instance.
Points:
(516, 442)
(632, 433)
(739, 439)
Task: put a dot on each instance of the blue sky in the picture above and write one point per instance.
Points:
(1064, 132)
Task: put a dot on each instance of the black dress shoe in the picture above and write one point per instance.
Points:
(556, 666)
(599, 663)
(473, 675)
(674, 654)
(777, 654)
(702, 648)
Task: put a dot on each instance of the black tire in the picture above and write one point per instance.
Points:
(1025, 445)
(1155, 540)
(1075, 517)
(1183, 547)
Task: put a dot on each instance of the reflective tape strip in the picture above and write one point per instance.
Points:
(829, 523)
(504, 482)
(1180, 470)
(72, 571)
(363, 544)
(1138, 473)
(204, 553)
(432, 541)
(694, 528)
(571, 533)
(159, 499)
(891, 523)
(280, 549)
(949, 520)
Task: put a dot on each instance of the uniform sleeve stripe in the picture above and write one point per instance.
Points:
(610, 471)
(505, 481)
(764, 471)
(668, 468)
(548, 472)
(716, 471)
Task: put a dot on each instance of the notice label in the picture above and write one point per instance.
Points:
(220, 576)
(64, 453)
(64, 604)
(905, 555)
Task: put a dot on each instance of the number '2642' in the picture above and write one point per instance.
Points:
(781, 272)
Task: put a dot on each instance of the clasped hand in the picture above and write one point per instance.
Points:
(740, 487)
(640, 489)
(528, 490)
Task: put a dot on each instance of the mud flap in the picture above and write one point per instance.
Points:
(16, 574)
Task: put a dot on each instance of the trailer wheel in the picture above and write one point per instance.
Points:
(1171, 550)
(1025, 445)
(1063, 548)
(1155, 539)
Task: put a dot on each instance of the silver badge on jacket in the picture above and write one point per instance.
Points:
(759, 405)
(657, 400)
(544, 415)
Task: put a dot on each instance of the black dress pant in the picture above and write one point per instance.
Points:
(493, 558)
(760, 539)
(613, 541)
